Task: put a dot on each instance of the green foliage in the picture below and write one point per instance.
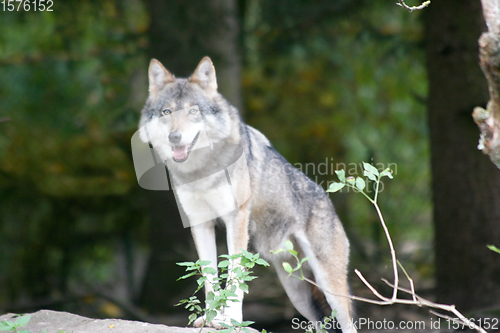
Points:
(345, 81)
(288, 268)
(67, 184)
(359, 184)
(235, 272)
(21, 321)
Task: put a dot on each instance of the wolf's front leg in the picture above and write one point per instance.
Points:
(237, 240)
(204, 240)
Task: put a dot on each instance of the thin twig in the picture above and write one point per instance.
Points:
(412, 8)
(441, 315)
(3, 120)
(393, 252)
(445, 307)
(412, 287)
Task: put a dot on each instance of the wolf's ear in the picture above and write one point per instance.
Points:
(158, 76)
(204, 75)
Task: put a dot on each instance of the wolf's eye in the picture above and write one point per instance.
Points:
(166, 111)
(193, 111)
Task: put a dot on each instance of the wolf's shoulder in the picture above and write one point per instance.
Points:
(255, 136)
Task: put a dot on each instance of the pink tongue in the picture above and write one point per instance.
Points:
(180, 152)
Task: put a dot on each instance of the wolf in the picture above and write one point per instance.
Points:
(226, 172)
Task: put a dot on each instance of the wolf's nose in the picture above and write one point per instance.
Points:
(175, 137)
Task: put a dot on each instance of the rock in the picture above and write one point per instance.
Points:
(54, 321)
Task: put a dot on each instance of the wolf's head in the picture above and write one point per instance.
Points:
(182, 115)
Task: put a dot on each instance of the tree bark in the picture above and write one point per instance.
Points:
(180, 35)
(489, 54)
(466, 185)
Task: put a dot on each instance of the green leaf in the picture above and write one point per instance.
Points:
(370, 176)
(186, 276)
(303, 260)
(249, 278)
(360, 183)
(209, 270)
(370, 171)
(249, 255)
(7, 325)
(261, 262)
(203, 262)
(192, 317)
(335, 187)
(289, 245)
(224, 264)
(494, 248)
(24, 331)
(186, 263)
(350, 180)
(341, 175)
(244, 287)
(21, 321)
(210, 315)
(229, 293)
(201, 280)
(387, 172)
(288, 268)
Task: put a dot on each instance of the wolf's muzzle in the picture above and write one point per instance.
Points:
(175, 137)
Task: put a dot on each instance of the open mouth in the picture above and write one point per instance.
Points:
(181, 153)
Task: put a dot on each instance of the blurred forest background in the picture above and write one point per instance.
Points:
(339, 81)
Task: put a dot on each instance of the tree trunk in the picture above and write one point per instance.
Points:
(489, 45)
(180, 35)
(466, 185)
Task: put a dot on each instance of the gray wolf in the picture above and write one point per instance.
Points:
(224, 171)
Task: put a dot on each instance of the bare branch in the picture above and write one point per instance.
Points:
(393, 252)
(412, 8)
(383, 300)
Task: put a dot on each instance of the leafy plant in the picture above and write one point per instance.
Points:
(21, 321)
(359, 185)
(6, 325)
(235, 272)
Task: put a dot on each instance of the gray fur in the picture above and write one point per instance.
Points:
(284, 204)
